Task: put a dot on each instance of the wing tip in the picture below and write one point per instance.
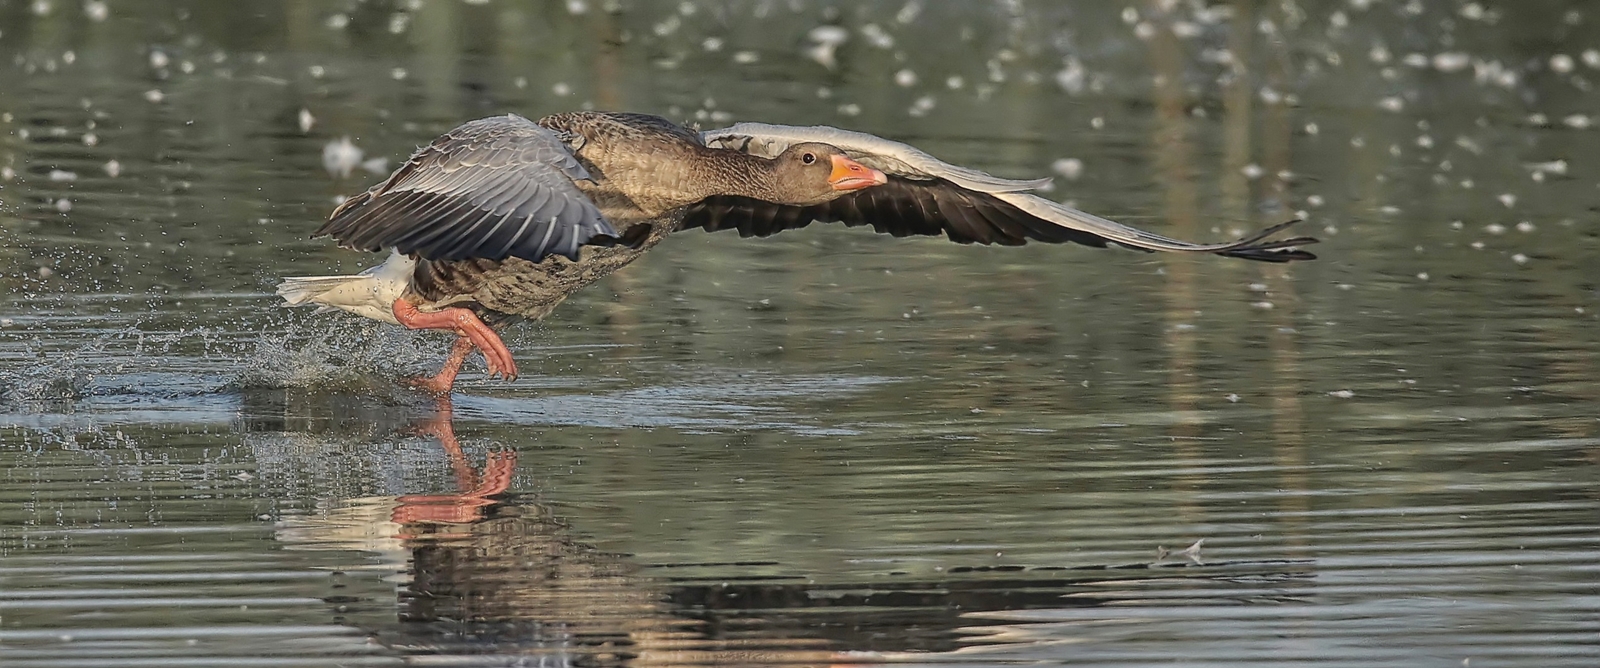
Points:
(1254, 247)
(1279, 256)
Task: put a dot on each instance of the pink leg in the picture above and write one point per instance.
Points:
(466, 325)
(439, 384)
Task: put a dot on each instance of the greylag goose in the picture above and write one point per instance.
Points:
(502, 218)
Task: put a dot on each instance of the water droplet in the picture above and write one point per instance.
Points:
(341, 157)
(877, 36)
(1071, 78)
(1451, 61)
(1068, 168)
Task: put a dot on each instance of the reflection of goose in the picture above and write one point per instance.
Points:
(493, 572)
(488, 223)
(522, 581)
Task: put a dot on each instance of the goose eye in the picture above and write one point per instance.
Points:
(808, 158)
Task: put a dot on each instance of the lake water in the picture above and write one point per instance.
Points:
(825, 447)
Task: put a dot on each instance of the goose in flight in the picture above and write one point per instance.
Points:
(501, 219)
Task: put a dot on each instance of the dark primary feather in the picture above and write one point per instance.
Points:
(906, 207)
(490, 189)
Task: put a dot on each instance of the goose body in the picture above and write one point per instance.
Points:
(503, 218)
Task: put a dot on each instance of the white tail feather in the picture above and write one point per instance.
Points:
(297, 290)
(370, 293)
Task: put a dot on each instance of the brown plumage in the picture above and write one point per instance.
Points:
(503, 218)
(618, 183)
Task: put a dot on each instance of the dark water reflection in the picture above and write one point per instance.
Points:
(492, 573)
(826, 447)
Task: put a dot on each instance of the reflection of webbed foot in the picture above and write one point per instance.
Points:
(498, 468)
(476, 490)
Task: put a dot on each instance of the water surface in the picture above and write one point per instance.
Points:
(825, 447)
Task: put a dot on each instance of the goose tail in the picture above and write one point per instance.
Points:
(371, 293)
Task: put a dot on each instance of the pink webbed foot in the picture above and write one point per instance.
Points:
(472, 333)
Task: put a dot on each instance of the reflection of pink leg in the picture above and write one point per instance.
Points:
(439, 384)
(442, 426)
(475, 489)
(466, 324)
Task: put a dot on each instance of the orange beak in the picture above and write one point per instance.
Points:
(851, 175)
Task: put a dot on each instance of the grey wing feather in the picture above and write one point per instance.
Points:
(928, 196)
(490, 189)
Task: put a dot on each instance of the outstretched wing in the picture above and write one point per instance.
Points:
(490, 189)
(925, 196)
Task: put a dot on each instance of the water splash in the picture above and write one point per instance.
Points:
(134, 367)
(61, 378)
(56, 376)
(344, 356)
